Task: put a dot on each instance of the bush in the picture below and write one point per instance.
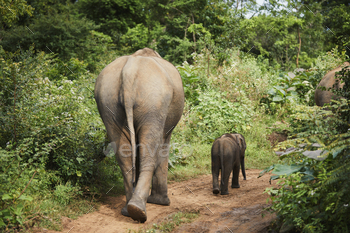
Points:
(215, 115)
(51, 133)
(67, 35)
(289, 90)
(63, 194)
(313, 194)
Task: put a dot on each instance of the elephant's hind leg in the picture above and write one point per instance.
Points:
(243, 169)
(136, 211)
(125, 164)
(235, 176)
(225, 177)
(149, 145)
(215, 170)
(159, 193)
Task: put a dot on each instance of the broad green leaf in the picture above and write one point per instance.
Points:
(19, 219)
(281, 169)
(266, 170)
(274, 178)
(25, 198)
(18, 210)
(2, 224)
(82, 159)
(272, 91)
(277, 98)
(6, 197)
(79, 173)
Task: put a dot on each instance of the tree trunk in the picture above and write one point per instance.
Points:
(186, 28)
(14, 108)
(186, 36)
(208, 63)
(194, 34)
(287, 59)
(299, 47)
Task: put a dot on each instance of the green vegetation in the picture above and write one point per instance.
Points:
(235, 59)
(171, 222)
(313, 192)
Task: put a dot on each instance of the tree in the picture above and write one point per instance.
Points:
(291, 35)
(10, 10)
(113, 16)
(63, 34)
(337, 24)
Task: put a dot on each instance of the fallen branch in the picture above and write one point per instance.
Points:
(26, 186)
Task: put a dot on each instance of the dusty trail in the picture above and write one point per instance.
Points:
(240, 211)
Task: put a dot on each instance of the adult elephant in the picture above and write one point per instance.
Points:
(140, 99)
(323, 97)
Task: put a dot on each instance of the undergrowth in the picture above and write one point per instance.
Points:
(170, 223)
(53, 140)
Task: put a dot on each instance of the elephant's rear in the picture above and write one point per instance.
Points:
(225, 155)
(328, 81)
(140, 99)
(240, 140)
(107, 96)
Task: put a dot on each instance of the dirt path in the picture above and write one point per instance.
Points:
(240, 211)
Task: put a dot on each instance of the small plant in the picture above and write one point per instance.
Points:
(63, 194)
(170, 222)
(177, 156)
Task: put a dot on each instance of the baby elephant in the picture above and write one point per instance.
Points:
(227, 154)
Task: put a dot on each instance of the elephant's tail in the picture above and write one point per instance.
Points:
(130, 122)
(221, 154)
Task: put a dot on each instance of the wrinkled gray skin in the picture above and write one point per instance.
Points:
(140, 99)
(324, 97)
(227, 155)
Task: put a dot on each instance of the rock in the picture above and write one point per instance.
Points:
(316, 154)
(299, 70)
(288, 152)
(290, 74)
(316, 145)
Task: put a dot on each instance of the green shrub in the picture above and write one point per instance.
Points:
(288, 91)
(215, 115)
(344, 77)
(313, 193)
(67, 35)
(193, 82)
(51, 133)
(63, 194)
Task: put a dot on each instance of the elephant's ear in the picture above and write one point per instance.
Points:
(242, 142)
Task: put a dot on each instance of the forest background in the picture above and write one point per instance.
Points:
(238, 61)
